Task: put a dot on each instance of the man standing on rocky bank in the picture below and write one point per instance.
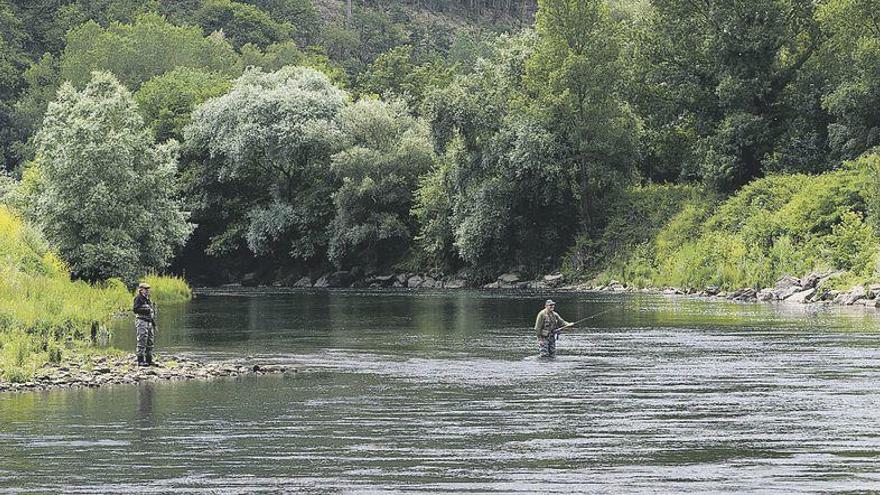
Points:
(144, 324)
(547, 326)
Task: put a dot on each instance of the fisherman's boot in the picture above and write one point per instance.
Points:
(149, 360)
(141, 361)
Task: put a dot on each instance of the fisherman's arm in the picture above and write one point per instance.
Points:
(539, 324)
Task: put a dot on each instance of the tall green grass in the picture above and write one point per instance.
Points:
(168, 288)
(774, 226)
(43, 314)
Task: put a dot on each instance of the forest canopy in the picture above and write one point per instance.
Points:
(298, 137)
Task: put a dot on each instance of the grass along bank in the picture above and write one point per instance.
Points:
(775, 226)
(44, 316)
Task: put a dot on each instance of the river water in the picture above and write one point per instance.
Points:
(442, 393)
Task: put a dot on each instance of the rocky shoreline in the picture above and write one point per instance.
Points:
(102, 370)
(806, 290)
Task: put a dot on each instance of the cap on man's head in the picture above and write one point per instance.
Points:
(549, 303)
(143, 285)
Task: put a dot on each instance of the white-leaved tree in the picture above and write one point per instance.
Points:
(106, 193)
(269, 141)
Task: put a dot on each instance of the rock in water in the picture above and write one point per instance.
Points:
(802, 296)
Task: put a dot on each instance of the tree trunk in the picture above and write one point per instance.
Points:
(348, 13)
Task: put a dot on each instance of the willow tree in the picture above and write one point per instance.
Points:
(266, 147)
(106, 193)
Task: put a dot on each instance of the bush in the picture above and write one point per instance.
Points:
(168, 289)
(41, 311)
(775, 226)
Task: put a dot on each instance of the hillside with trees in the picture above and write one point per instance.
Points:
(293, 138)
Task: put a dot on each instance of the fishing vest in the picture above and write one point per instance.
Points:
(551, 323)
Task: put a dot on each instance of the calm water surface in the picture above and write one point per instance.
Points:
(441, 392)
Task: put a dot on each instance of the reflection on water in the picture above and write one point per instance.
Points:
(441, 392)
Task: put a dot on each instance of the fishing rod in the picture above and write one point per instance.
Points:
(600, 313)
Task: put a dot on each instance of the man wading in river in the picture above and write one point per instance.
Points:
(547, 327)
(144, 324)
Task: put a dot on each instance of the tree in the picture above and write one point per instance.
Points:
(501, 195)
(166, 101)
(387, 151)
(240, 23)
(396, 73)
(138, 52)
(719, 79)
(851, 60)
(576, 75)
(275, 131)
(107, 193)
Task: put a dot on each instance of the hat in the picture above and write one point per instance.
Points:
(549, 302)
(143, 285)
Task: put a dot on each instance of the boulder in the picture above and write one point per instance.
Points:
(249, 280)
(747, 294)
(456, 284)
(304, 282)
(765, 295)
(509, 278)
(788, 281)
(414, 282)
(335, 280)
(428, 283)
(492, 285)
(801, 296)
(873, 291)
(384, 280)
(712, 290)
(554, 279)
(811, 280)
(782, 294)
(403, 277)
(850, 298)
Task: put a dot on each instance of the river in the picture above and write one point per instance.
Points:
(441, 392)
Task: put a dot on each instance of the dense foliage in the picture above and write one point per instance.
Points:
(482, 135)
(103, 191)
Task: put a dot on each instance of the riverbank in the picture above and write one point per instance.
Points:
(813, 288)
(100, 371)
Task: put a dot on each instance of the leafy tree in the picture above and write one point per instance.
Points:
(575, 73)
(166, 101)
(240, 22)
(388, 150)
(276, 131)
(137, 52)
(12, 63)
(851, 59)
(301, 15)
(107, 193)
(396, 73)
(717, 79)
(501, 188)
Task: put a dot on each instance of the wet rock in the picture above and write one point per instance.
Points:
(249, 280)
(509, 278)
(712, 290)
(492, 285)
(303, 283)
(788, 281)
(801, 297)
(429, 283)
(383, 280)
(811, 280)
(554, 279)
(744, 295)
(414, 282)
(766, 295)
(850, 298)
(456, 284)
(335, 280)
